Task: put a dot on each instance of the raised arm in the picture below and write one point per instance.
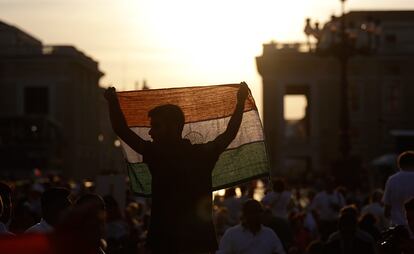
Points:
(119, 124)
(224, 139)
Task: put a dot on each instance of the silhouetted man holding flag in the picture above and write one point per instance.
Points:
(181, 175)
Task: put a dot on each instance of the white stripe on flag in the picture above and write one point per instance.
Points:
(205, 131)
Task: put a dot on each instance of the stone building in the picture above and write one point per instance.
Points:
(381, 92)
(52, 113)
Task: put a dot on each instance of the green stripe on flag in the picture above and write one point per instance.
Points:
(234, 166)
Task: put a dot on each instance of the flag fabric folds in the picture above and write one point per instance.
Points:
(207, 111)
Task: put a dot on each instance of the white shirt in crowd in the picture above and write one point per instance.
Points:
(238, 240)
(377, 210)
(40, 228)
(324, 204)
(398, 189)
(278, 203)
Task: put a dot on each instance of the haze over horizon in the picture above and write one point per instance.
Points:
(175, 43)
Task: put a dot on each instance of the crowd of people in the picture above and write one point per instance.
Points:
(287, 219)
(181, 217)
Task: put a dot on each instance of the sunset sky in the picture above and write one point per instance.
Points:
(175, 42)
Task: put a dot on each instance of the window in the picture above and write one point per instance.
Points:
(296, 112)
(36, 100)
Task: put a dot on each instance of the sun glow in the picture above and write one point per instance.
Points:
(214, 41)
(179, 42)
(207, 42)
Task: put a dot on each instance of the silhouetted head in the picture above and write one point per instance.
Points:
(316, 247)
(95, 207)
(348, 220)
(278, 185)
(230, 192)
(54, 202)
(243, 189)
(5, 194)
(82, 229)
(252, 213)
(113, 212)
(376, 196)
(409, 212)
(167, 123)
(367, 220)
(90, 199)
(406, 161)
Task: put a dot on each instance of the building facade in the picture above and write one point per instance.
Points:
(381, 88)
(55, 88)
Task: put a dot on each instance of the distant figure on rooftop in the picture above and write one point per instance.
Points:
(182, 221)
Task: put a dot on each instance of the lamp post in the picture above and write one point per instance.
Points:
(343, 40)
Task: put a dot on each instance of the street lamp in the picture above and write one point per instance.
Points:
(343, 40)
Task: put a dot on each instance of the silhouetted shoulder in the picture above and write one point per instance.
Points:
(213, 147)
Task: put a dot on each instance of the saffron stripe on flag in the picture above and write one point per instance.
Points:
(207, 112)
(197, 103)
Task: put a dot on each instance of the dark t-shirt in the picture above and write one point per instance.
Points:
(356, 245)
(181, 196)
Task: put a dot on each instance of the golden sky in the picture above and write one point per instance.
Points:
(175, 42)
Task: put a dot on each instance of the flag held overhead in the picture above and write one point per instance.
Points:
(207, 111)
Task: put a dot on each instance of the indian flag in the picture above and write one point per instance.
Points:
(207, 111)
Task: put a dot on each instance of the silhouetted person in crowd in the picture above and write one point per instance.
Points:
(233, 205)
(348, 238)
(407, 244)
(34, 200)
(399, 188)
(181, 215)
(221, 221)
(250, 237)
(316, 247)
(116, 228)
(376, 208)
(82, 229)
(280, 226)
(6, 211)
(302, 237)
(279, 200)
(96, 225)
(367, 223)
(54, 202)
(325, 206)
